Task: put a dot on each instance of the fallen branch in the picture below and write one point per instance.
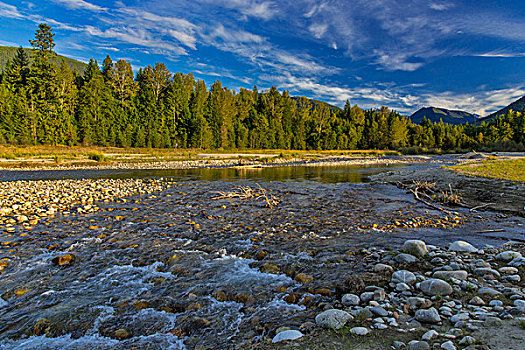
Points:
(481, 206)
(244, 193)
(490, 231)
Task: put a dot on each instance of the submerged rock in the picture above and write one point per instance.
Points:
(65, 260)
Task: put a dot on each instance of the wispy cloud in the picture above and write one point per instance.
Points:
(138, 37)
(443, 6)
(9, 11)
(480, 102)
(250, 8)
(80, 5)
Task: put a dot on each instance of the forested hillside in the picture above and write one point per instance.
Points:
(7, 54)
(45, 102)
(448, 116)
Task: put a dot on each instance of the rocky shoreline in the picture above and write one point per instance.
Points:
(26, 203)
(217, 163)
(434, 298)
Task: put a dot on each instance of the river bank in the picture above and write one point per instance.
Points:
(216, 260)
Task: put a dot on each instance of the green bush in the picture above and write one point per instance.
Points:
(97, 156)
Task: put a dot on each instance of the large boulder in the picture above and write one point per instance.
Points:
(415, 247)
(333, 319)
(435, 286)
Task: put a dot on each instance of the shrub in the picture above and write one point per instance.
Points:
(97, 156)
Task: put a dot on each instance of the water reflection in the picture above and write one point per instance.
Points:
(323, 174)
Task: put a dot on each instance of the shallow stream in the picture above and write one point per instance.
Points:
(182, 269)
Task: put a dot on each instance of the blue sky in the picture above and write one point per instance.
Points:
(404, 54)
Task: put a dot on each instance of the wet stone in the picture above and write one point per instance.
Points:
(65, 260)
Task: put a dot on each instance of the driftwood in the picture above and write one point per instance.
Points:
(481, 206)
(242, 192)
(490, 231)
(426, 188)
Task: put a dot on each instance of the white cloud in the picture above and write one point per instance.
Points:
(233, 35)
(9, 11)
(251, 8)
(481, 102)
(318, 30)
(80, 5)
(440, 6)
(397, 62)
(138, 37)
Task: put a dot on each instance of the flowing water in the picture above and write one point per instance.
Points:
(180, 269)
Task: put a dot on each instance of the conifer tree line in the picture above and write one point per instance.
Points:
(109, 105)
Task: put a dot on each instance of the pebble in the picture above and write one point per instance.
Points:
(399, 344)
(403, 276)
(430, 335)
(428, 315)
(415, 247)
(418, 345)
(350, 300)
(435, 287)
(508, 255)
(488, 290)
(476, 301)
(467, 340)
(379, 311)
(448, 345)
(405, 258)
(447, 275)
(359, 331)
(383, 268)
(287, 335)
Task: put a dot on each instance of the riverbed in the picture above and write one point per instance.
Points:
(200, 264)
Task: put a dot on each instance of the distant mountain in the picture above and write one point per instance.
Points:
(450, 117)
(516, 106)
(7, 53)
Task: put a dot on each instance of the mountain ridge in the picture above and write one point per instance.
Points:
(517, 106)
(435, 114)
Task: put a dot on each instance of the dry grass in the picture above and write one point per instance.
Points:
(506, 169)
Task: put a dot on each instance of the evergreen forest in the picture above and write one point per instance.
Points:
(46, 102)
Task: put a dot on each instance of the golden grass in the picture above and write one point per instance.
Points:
(507, 169)
(114, 154)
